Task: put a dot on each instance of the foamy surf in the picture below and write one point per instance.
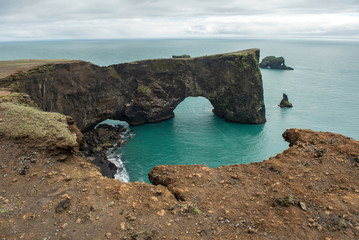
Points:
(114, 155)
(115, 158)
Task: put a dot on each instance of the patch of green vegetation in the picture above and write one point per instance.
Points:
(240, 54)
(113, 73)
(15, 86)
(19, 120)
(232, 62)
(286, 201)
(164, 65)
(4, 211)
(46, 68)
(196, 211)
(246, 65)
(226, 102)
(143, 89)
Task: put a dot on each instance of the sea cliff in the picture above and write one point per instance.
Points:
(148, 90)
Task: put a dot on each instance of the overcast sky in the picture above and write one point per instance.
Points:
(93, 19)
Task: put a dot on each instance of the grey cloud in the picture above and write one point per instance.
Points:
(23, 19)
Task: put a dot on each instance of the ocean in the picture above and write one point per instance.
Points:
(323, 89)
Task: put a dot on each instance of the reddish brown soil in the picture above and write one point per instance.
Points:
(310, 191)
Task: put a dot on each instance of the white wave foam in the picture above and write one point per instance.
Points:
(115, 158)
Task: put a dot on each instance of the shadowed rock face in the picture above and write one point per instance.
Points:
(149, 90)
(284, 103)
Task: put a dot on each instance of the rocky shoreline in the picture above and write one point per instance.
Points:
(98, 142)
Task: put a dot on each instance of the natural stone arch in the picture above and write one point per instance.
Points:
(231, 82)
(149, 90)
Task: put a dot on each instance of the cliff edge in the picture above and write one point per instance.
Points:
(148, 90)
(310, 191)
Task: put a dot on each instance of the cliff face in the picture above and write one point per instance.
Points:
(149, 90)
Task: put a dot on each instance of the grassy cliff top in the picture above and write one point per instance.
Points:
(12, 66)
(20, 118)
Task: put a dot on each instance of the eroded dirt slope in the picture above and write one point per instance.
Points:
(50, 191)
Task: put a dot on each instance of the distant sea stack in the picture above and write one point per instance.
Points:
(274, 63)
(181, 56)
(285, 103)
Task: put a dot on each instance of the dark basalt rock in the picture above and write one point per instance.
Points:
(285, 103)
(98, 141)
(181, 56)
(274, 63)
(149, 90)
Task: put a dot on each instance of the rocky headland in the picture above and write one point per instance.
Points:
(50, 190)
(146, 91)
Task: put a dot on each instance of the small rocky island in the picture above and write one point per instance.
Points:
(285, 103)
(273, 62)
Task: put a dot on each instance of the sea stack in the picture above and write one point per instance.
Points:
(285, 103)
(273, 62)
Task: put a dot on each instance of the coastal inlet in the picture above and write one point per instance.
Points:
(102, 144)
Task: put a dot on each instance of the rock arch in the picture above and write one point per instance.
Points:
(149, 90)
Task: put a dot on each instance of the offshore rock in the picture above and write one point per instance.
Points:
(274, 63)
(285, 103)
(147, 91)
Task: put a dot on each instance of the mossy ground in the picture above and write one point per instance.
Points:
(19, 119)
(12, 66)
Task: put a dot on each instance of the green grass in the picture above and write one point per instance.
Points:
(18, 120)
(143, 89)
(196, 211)
(114, 73)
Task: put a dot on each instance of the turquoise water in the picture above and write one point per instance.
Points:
(323, 89)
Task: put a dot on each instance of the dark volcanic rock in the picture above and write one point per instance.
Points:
(285, 103)
(182, 56)
(98, 141)
(147, 91)
(274, 62)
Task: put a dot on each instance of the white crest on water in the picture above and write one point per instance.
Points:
(115, 158)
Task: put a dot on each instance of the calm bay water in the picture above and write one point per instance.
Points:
(323, 89)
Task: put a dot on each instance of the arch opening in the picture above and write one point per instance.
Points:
(194, 108)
